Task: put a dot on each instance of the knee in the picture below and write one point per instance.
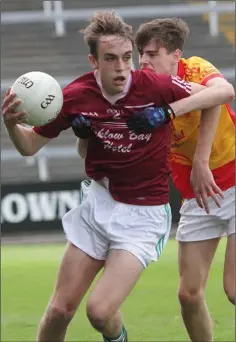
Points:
(231, 298)
(97, 313)
(59, 313)
(190, 296)
(230, 293)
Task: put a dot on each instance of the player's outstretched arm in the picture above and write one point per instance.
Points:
(204, 97)
(202, 179)
(25, 140)
(201, 176)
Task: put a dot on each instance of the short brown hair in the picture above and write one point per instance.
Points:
(170, 33)
(104, 24)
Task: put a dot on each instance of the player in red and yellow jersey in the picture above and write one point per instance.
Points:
(160, 43)
(196, 69)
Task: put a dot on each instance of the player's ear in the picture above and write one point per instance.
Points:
(177, 55)
(93, 61)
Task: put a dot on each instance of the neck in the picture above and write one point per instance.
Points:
(174, 70)
(112, 98)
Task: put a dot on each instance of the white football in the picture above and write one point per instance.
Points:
(41, 97)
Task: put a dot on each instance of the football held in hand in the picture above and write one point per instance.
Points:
(41, 97)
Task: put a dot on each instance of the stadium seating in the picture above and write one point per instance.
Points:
(227, 26)
(27, 47)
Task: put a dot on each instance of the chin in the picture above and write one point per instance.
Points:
(119, 89)
(114, 91)
(161, 71)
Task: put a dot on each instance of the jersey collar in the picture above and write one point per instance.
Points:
(181, 70)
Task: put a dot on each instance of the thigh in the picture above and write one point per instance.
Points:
(76, 273)
(140, 230)
(194, 259)
(121, 272)
(229, 264)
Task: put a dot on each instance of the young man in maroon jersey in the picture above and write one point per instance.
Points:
(125, 220)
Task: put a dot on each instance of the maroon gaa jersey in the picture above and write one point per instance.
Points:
(137, 165)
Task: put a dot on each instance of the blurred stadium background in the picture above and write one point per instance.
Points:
(37, 191)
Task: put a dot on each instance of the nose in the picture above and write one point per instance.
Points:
(144, 65)
(120, 65)
(143, 61)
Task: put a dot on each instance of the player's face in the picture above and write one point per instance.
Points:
(158, 59)
(114, 63)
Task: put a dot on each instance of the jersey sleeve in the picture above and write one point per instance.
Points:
(166, 88)
(202, 71)
(173, 88)
(61, 122)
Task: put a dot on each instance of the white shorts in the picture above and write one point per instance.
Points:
(196, 225)
(84, 189)
(100, 223)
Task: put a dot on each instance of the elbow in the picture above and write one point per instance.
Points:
(82, 153)
(82, 146)
(228, 91)
(231, 92)
(26, 153)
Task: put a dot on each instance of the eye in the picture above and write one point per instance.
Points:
(153, 54)
(109, 59)
(127, 58)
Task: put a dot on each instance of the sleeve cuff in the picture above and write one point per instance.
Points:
(209, 77)
(44, 133)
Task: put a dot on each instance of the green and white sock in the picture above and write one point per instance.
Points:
(122, 338)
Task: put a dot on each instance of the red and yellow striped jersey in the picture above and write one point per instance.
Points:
(185, 130)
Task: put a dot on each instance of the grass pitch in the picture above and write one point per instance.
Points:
(151, 312)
